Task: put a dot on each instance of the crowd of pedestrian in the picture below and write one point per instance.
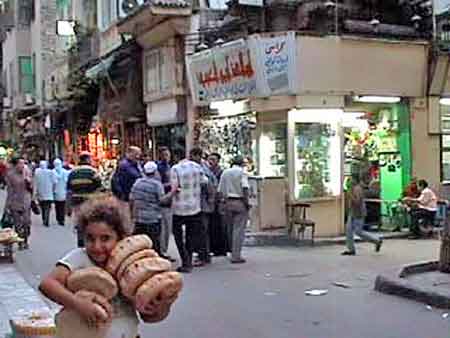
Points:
(202, 205)
(205, 208)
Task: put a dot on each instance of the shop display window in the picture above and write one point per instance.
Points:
(273, 150)
(445, 158)
(317, 160)
(445, 143)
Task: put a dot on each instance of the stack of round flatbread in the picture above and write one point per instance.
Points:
(95, 285)
(144, 277)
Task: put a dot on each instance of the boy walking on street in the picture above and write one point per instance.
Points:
(355, 220)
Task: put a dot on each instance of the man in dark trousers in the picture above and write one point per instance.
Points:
(166, 210)
(83, 183)
(187, 179)
(233, 188)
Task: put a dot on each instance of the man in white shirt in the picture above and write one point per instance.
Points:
(187, 179)
(233, 188)
(426, 209)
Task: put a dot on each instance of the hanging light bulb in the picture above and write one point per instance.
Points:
(202, 46)
(329, 4)
(416, 18)
(375, 22)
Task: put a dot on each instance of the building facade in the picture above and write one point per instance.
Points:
(310, 92)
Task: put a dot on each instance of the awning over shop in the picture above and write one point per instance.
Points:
(101, 67)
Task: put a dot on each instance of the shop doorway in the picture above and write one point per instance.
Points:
(377, 147)
(171, 136)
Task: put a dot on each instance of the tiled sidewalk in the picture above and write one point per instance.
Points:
(15, 295)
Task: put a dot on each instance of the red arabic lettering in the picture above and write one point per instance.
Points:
(229, 72)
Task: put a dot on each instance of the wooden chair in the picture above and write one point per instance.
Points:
(298, 221)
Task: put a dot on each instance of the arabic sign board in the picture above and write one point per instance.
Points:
(257, 67)
(222, 73)
(275, 58)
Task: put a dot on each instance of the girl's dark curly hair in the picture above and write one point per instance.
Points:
(108, 210)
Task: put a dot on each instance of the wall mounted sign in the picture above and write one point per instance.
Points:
(275, 59)
(222, 73)
(257, 67)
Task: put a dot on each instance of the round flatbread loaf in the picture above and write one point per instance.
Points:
(125, 248)
(162, 288)
(138, 272)
(160, 314)
(6, 235)
(147, 253)
(93, 279)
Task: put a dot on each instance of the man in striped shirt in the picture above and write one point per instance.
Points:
(83, 183)
(146, 197)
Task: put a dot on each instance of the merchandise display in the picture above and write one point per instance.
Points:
(313, 159)
(377, 148)
(228, 136)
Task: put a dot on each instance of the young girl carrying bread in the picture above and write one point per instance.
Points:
(103, 223)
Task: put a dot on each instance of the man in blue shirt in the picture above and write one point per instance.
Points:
(128, 172)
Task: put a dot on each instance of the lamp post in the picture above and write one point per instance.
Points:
(336, 18)
(330, 4)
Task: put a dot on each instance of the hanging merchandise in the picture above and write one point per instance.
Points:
(228, 136)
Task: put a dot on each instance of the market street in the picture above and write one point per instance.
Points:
(265, 297)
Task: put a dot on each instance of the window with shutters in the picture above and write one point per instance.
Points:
(26, 75)
(157, 77)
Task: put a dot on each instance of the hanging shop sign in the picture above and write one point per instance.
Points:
(275, 59)
(257, 67)
(222, 73)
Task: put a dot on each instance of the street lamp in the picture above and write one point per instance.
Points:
(329, 5)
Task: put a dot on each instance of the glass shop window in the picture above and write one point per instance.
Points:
(317, 160)
(273, 150)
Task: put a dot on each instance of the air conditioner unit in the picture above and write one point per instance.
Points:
(29, 99)
(7, 102)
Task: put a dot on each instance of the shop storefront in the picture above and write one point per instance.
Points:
(339, 122)
(160, 29)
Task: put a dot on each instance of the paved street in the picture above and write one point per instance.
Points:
(265, 298)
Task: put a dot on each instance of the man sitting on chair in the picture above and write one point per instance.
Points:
(424, 210)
